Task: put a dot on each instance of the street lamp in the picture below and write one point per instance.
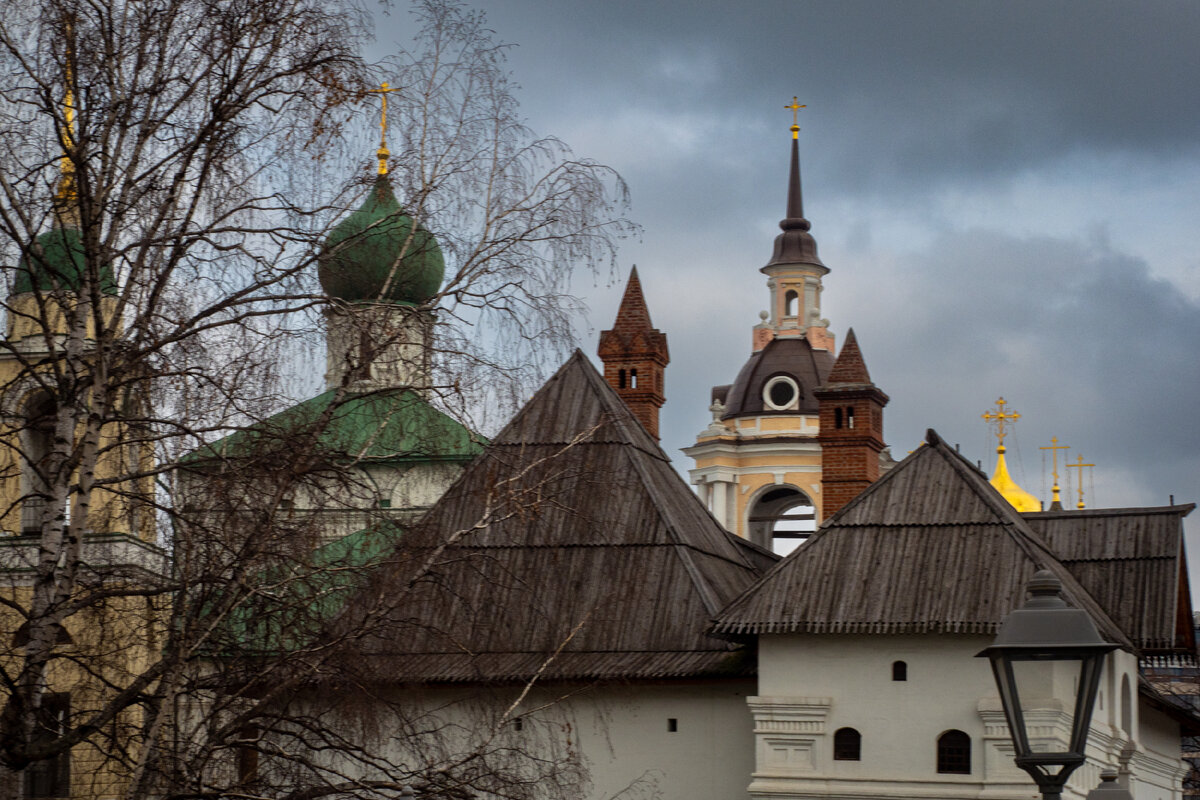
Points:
(1041, 646)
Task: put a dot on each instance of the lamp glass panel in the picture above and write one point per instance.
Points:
(1047, 693)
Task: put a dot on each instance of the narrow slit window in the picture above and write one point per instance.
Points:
(621, 379)
(633, 379)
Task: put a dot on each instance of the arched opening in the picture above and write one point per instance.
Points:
(1126, 706)
(782, 519)
(39, 446)
(791, 302)
(954, 753)
(899, 671)
(620, 379)
(847, 745)
(633, 379)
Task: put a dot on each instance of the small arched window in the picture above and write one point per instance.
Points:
(621, 379)
(954, 753)
(790, 301)
(847, 745)
(899, 671)
(633, 379)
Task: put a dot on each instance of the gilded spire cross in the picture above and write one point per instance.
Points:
(1001, 418)
(795, 107)
(1054, 447)
(1079, 466)
(382, 154)
(66, 192)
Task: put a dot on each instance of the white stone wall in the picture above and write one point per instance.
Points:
(810, 686)
(620, 734)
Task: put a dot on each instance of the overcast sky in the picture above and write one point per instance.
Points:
(1007, 195)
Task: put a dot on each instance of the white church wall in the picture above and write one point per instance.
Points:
(635, 741)
(810, 686)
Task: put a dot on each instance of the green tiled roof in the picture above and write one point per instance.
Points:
(389, 425)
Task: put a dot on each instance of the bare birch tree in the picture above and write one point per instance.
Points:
(168, 171)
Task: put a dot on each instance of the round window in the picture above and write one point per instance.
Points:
(780, 393)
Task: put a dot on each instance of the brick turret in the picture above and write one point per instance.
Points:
(635, 356)
(851, 432)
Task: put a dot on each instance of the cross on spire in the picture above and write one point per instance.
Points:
(1000, 418)
(1054, 447)
(382, 153)
(795, 107)
(1079, 466)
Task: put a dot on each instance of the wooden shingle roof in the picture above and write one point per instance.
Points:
(1132, 561)
(929, 548)
(569, 549)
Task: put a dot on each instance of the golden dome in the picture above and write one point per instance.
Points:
(1003, 483)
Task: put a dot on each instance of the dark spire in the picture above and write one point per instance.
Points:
(795, 245)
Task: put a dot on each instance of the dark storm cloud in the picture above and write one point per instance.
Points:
(901, 91)
(1100, 354)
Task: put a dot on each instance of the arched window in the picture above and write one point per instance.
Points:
(621, 379)
(1126, 706)
(38, 445)
(782, 519)
(954, 753)
(899, 671)
(847, 745)
(790, 302)
(633, 379)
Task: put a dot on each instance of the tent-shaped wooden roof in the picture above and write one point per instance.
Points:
(1132, 561)
(929, 548)
(569, 549)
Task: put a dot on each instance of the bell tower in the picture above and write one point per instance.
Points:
(635, 356)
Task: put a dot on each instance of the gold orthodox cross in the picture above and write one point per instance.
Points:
(999, 416)
(795, 107)
(1054, 447)
(383, 153)
(1079, 466)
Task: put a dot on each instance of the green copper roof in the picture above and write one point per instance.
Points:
(379, 254)
(389, 425)
(56, 261)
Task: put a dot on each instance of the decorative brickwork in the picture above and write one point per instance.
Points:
(635, 357)
(851, 437)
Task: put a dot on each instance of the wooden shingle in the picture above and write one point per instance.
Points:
(929, 548)
(569, 549)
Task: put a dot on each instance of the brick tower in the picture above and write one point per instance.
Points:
(635, 356)
(851, 430)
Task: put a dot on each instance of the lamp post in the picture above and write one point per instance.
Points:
(1044, 643)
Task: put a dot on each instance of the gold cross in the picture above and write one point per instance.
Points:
(1079, 466)
(1054, 448)
(383, 153)
(795, 107)
(1000, 417)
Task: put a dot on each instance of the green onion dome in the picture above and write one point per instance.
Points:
(56, 261)
(379, 254)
